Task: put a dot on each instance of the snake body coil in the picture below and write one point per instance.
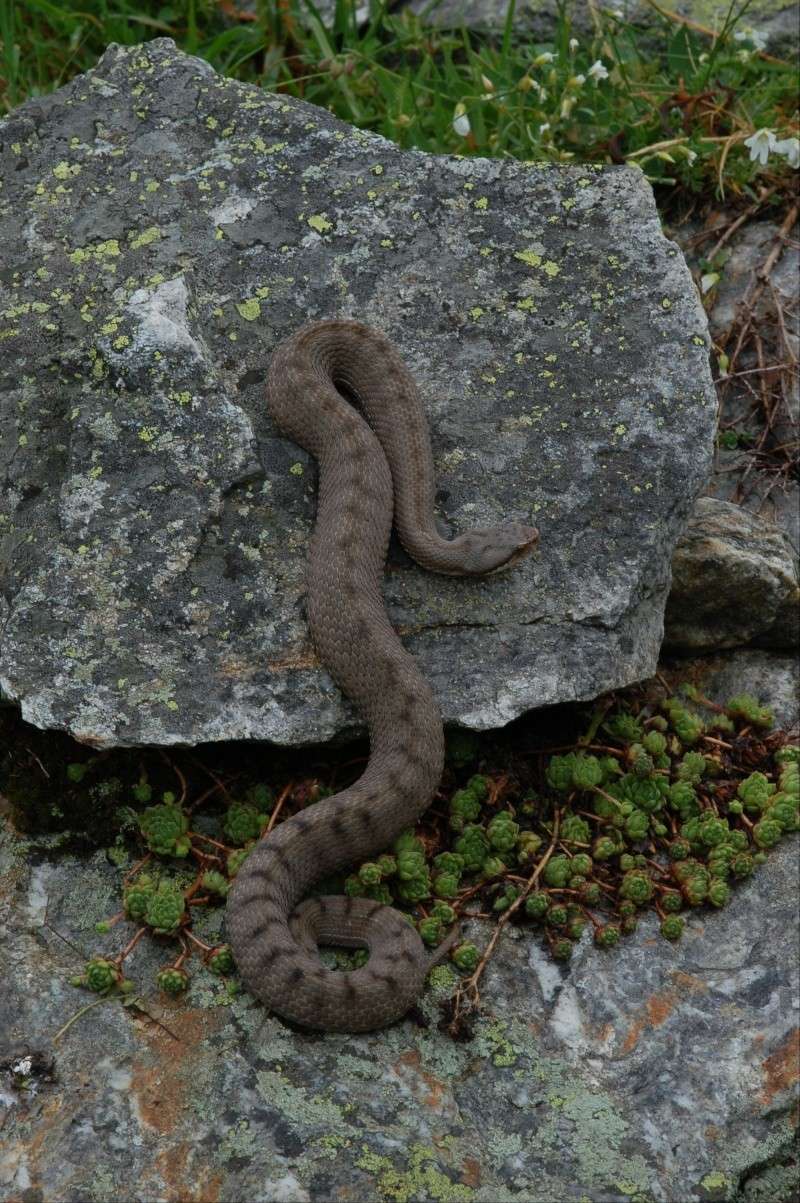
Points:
(368, 470)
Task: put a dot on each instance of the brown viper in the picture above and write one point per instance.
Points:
(368, 469)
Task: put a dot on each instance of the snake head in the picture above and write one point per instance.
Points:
(495, 548)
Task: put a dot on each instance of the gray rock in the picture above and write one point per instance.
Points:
(654, 1073)
(164, 228)
(775, 20)
(772, 677)
(773, 497)
(734, 581)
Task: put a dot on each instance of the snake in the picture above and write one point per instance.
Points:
(341, 390)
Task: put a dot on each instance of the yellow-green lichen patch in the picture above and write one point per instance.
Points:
(250, 309)
(104, 250)
(714, 1181)
(64, 170)
(151, 234)
(296, 469)
(320, 223)
(422, 1180)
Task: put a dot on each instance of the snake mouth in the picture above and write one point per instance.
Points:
(519, 553)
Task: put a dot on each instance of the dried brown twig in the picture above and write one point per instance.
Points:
(469, 986)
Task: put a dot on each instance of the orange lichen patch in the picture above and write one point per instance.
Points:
(178, 1167)
(236, 667)
(782, 1068)
(688, 984)
(435, 1089)
(632, 1039)
(159, 1086)
(658, 1008)
(300, 659)
(471, 1172)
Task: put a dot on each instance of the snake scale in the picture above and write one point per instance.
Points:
(340, 390)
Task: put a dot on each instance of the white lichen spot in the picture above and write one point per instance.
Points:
(161, 317)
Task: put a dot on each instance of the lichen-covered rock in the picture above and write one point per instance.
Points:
(647, 1071)
(163, 228)
(734, 581)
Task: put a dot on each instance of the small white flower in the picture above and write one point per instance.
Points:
(578, 81)
(573, 45)
(790, 149)
(541, 59)
(597, 71)
(708, 281)
(461, 121)
(760, 144)
(748, 34)
(567, 105)
(691, 155)
(544, 127)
